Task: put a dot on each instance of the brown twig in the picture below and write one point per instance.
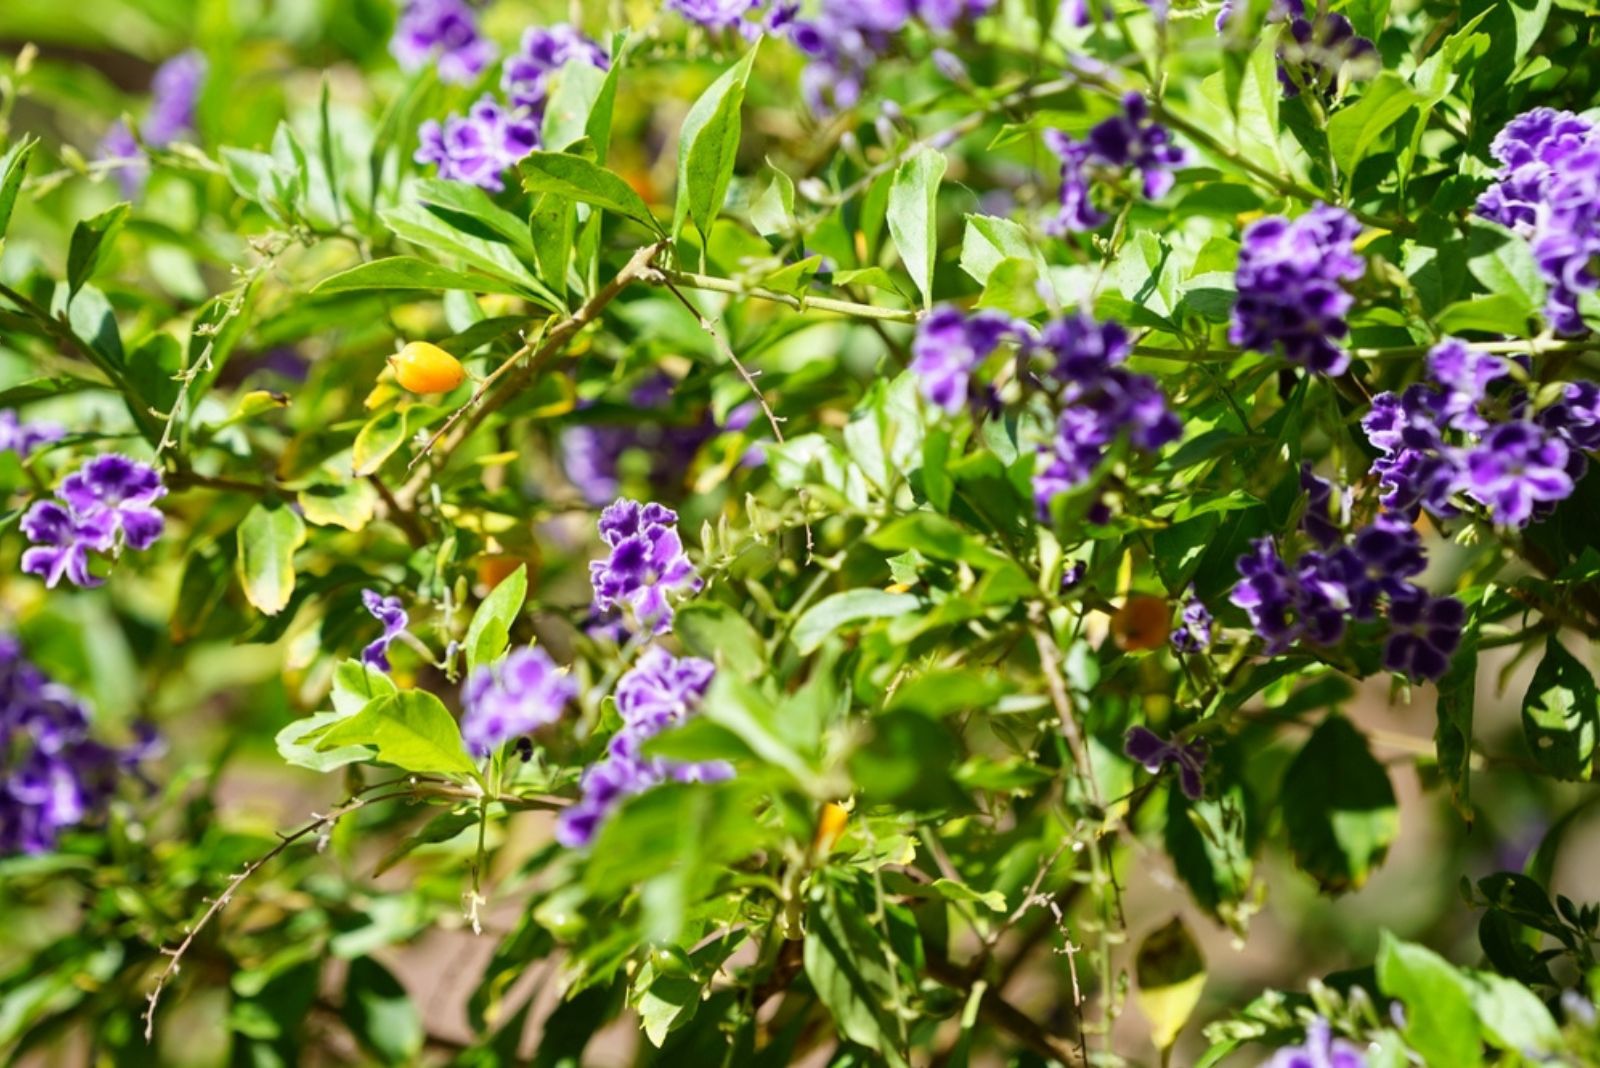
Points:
(1005, 1016)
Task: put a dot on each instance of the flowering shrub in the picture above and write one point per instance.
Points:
(847, 532)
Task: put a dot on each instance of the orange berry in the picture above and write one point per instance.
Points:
(1141, 623)
(425, 368)
(495, 568)
(830, 825)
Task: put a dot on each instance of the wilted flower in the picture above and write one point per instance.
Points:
(1291, 287)
(647, 565)
(444, 32)
(516, 695)
(1155, 752)
(391, 613)
(478, 147)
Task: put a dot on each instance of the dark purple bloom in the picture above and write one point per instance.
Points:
(444, 32)
(1082, 349)
(391, 613)
(1423, 633)
(514, 696)
(646, 567)
(949, 346)
(1308, 601)
(544, 51)
(1516, 468)
(1193, 632)
(1291, 280)
(1321, 1050)
(1576, 416)
(1319, 49)
(1073, 574)
(1127, 142)
(478, 147)
(23, 438)
(53, 775)
(1154, 752)
(659, 692)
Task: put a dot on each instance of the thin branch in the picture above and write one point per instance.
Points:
(1050, 662)
(688, 280)
(1003, 1015)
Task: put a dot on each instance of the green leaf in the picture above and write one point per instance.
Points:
(453, 233)
(377, 441)
(1355, 131)
(1561, 714)
(708, 145)
(848, 968)
(1171, 975)
(407, 272)
(1512, 1016)
(1504, 264)
(490, 630)
(411, 730)
(578, 87)
(1338, 807)
(350, 504)
(772, 213)
(92, 238)
(913, 215)
(745, 712)
(718, 633)
(1454, 708)
(268, 538)
(988, 240)
(380, 1014)
(575, 178)
(842, 609)
(13, 169)
(297, 744)
(1441, 1023)
(441, 828)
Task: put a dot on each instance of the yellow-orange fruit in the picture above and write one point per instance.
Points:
(830, 825)
(425, 368)
(495, 568)
(1141, 623)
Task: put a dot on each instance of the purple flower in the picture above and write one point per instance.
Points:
(1193, 632)
(1321, 1050)
(544, 51)
(1155, 752)
(1291, 279)
(1318, 50)
(1327, 509)
(949, 346)
(1515, 469)
(444, 32)
(23, 438)
(62, 543)
(647, 564)
(1081, 349)
(1308, 601)
(1465, 376)
(1531, 149)
(718, 15)
(174, 92)
(53, 775)
(1127, 142)
(479, 147)
(1423, 633)
(659, 692)
(1576, 416)
(514, 696)
(391, 613)
(120, 493)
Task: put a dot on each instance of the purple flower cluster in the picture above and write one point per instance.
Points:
(545, 50)
(1155, 752)
(719, 15)
(847, 37)
(1290, 280)
(480, 146)
(1349, 578)
(105, 506)
(174, 91)
(1318, 49)
(1193, 632)
(1101, 401)
(1131, 141)
(391, 613)
(445, 33)
(1321, 1050)
(52, 774)
(23, 438)
(1548, 190)
(512, 697)
(646, 567)
(949, 346)
(659, 692)
(1452, 435)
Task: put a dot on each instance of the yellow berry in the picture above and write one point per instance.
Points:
(830, 825)
(425, 368)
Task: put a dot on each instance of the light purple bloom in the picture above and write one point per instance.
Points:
(1321, 1050)
(62, 543)
(718, 15)
(1193, 633)
(121, 493)
(646, 567)
(1155, 752)
(444, 32)
(479, 147)
(1291, 280)
(949, 346)
(514, 696)
(174, 94)
(391, 613)
(23, 438)
(544, 51)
